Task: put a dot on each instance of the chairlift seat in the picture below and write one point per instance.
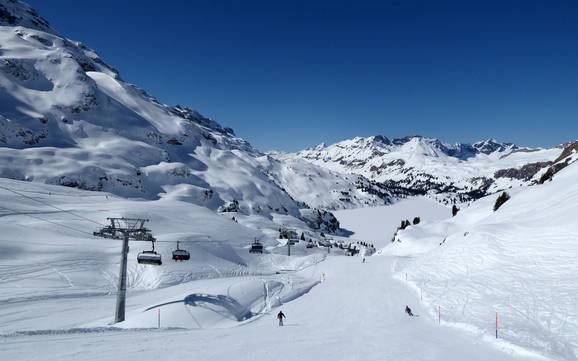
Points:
(149, 257)
(293, 241)
(181, 255)
(256, 247)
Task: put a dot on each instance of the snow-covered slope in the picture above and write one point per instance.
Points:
(356, 314)
(519, 261)
(51, 262)
(378, 224)
(68, 118)
(417, 165)
(58, 287)
(318, 187)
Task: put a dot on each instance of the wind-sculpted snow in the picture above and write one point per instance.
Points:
(519, 261)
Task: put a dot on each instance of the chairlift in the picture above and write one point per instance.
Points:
(149, 257)
(256, 247)
(293, 241)
(181, 254)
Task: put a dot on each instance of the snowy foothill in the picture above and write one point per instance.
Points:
(518, 261)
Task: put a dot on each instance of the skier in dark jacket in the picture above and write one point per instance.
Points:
(280, 317)
(408, 310)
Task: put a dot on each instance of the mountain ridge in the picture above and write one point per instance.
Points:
(68, 118)
(417, 165)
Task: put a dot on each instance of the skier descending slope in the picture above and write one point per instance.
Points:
(280, 317)
(408, 311)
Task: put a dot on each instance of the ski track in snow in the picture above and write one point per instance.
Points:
(356, 314)
(61, 298)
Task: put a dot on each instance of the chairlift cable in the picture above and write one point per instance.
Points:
(50, 205)
(66, 226)
(46, 220)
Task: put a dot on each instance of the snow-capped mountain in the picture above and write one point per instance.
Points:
(68, 118)
(418, 165)
(316, 186)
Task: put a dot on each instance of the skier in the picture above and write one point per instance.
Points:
(363, 260)
(280, 317)
(408, 310)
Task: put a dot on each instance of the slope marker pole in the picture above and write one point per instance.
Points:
(497, 324)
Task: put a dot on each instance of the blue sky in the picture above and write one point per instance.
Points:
(292, 74)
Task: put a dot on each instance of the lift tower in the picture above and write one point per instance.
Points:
(127, 229)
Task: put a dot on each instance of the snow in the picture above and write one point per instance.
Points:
(68, 277)
(59, 285)
(427, 164)
(518, 261)
(163, 121)
(318, 187)
(67, 118)
(355, 314)
(378, 224)
(426, 155)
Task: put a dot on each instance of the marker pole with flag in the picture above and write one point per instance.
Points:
(497, 323)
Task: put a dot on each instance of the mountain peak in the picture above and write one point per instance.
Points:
(379, 139)
(491, 145)
(320, 146)
(17, 13)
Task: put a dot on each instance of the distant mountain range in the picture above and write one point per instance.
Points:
(418, 165)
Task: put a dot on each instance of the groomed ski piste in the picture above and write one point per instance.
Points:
(59, 284)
